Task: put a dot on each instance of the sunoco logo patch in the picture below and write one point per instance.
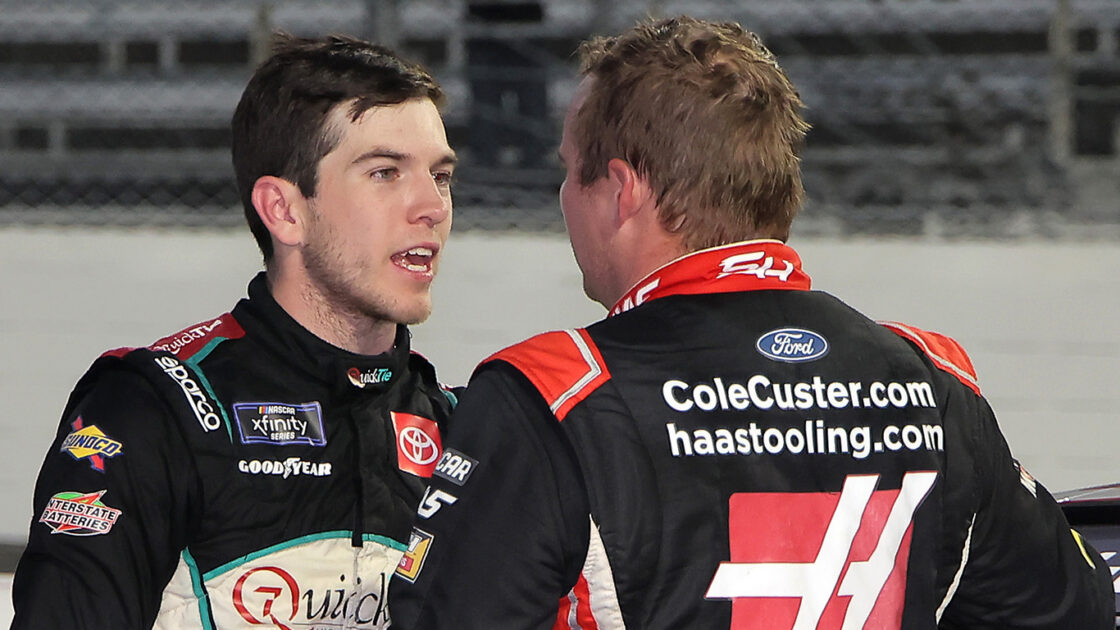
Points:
(79, 514)
(90, 443)
(792, 345)
(280, 423)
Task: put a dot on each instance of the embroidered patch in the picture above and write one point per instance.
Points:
(413, 560)
(79, 514)
(418, 443)
(280, 423)
(90, 443)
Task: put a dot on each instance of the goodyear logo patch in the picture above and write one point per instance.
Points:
(79, 514)
(413, 560)
(90, 443)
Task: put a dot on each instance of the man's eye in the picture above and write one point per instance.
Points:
(384, 174)
(443, 178)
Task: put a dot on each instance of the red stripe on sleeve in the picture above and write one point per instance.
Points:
(946, 353)
(565, 366)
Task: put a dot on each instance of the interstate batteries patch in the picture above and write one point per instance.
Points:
(280, 423)
(79, 514)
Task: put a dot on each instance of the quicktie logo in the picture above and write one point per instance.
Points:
(362, 378)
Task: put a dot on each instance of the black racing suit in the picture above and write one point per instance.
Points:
(733, 450)
(239, 474)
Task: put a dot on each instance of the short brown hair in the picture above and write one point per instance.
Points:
(704, 112)
(280, 126)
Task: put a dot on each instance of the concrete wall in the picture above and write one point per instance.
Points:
(1041, 321)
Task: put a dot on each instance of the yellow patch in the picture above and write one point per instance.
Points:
(1084, 552)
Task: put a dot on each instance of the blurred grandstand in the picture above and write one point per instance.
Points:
(938, 118)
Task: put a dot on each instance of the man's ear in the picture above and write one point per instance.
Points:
(281, 207)
(634, 192)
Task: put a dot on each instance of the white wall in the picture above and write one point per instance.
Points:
(1040, 321)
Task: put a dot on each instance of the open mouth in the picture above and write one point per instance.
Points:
(417, 259)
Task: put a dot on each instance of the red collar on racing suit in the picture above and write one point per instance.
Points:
(745, 266)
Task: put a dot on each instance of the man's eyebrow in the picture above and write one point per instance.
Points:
(382, 153)
(447, 159)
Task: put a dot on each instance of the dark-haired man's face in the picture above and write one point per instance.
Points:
(381, 212)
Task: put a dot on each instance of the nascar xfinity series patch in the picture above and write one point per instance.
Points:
(280, 423)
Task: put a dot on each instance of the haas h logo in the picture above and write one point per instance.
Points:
(823, 561)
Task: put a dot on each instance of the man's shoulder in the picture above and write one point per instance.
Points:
(943, 351)
(166, 369)
(565, 366)
(190, 341)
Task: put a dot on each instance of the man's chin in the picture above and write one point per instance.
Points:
(412, 316)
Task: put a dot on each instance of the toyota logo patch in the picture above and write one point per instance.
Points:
(418, 443)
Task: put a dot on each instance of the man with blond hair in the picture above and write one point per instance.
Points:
(728, 449)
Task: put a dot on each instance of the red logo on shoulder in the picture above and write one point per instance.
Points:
(418, 443)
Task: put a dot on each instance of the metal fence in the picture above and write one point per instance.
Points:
(949, 118)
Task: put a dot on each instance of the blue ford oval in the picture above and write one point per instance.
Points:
(792, 345)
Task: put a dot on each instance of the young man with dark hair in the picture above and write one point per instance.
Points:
(263, 467)
(728, 449)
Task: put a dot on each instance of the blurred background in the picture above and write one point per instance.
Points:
(962, 173)
(957, 118)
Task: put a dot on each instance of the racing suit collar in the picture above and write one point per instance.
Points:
(341, 369)
(744, 266)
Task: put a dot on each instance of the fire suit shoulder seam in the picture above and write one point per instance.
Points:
(200, 338)
(192, 340)
(944, 351)
(565, 366)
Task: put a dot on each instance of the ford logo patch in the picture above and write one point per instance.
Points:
(792, 345)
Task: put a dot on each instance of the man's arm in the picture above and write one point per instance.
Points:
(1026, 568)
(110, 513)
(502, 531)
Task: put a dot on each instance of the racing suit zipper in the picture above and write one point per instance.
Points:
(359, 488)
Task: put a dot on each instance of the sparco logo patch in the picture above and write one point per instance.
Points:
(204, 409)
(90, 443)
(363, 378)
(79, 514)
(280, 423)
(418, 443)
(792, 345)
(820, 560)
